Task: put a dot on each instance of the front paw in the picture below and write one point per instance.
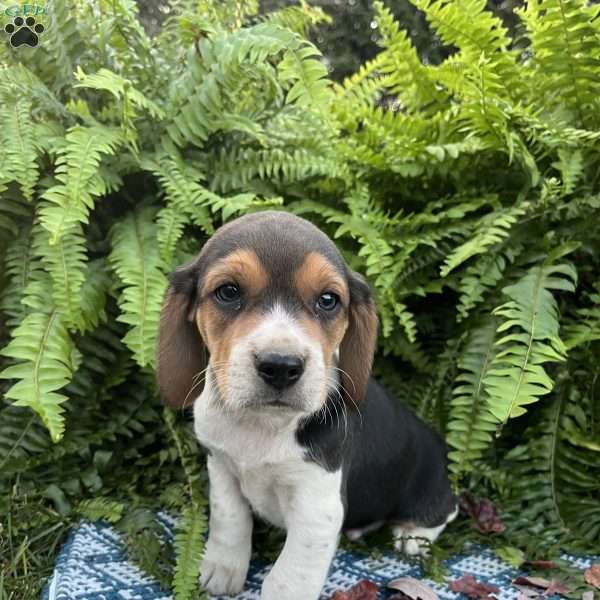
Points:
(286, 588)
(223, 570)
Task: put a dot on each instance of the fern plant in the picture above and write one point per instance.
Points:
(466, 191)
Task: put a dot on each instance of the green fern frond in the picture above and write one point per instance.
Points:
(310, 86)
(22, 434)
(42, 350)
(584, 326)
(299, 19)
(136, 260)
(22, 266)
(65, 260)
(189, 546)
(553, 481)
(94, 293)
(517, 378)
(562, 32)
(99, 508)
(17, 134)
(490, 230)
(405, 74)
(71, 200)
(237, 169)
(472, 425)
(482, 277)
(130, 100)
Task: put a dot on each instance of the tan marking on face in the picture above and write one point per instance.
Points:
(220, 333)
(242, 267)
(315, 276)
(328, 335)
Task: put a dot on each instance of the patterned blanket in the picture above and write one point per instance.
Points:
(92, 566)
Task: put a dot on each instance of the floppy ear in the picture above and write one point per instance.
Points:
(358, 345)
(181, 352)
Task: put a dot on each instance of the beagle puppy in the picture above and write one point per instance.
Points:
(271, 337)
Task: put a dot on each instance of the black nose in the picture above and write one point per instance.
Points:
(280, 370)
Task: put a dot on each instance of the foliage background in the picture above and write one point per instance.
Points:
(457, 167)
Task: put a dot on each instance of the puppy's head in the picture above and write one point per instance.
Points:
(271, 316)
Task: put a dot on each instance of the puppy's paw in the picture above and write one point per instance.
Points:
(277, 589)
(223, 570)
(414, 547)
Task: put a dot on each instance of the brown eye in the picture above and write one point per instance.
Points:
(228, 294)
(328, 301)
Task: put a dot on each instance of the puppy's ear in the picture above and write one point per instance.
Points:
(358, 346)
(182, 354)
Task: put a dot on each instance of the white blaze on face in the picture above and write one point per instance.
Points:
(277, 332)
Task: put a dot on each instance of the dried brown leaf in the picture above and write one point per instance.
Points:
(363, 590)
(483, 512)
(468, 585)
(412, 588)
(592, 575)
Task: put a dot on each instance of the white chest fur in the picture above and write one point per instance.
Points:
(262, 453)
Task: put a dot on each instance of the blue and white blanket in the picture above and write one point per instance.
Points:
(92, 566)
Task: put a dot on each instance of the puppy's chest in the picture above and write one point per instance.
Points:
(268, 464)
(265, 490)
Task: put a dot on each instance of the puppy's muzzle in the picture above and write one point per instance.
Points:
(280, 371)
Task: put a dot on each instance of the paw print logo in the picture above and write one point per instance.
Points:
(24, 31)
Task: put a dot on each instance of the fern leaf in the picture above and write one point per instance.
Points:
(482, 276)
(99, 508)
(584, 326)
(189, 546)
(65, 260)
(299, 19)
(492, 228)
(19, 144)
(71, 200)
(517, 378)
(136, 261)
(562, 33)
(471, 425)
(310, 86)
(42, 348)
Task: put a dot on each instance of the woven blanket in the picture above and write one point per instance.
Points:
(92, 566)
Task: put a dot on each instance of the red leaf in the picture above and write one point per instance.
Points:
(542, 564)
(363, 590)
(592, 575)
(539, 582)
(469, 586)
(484, 512)
(412, 588)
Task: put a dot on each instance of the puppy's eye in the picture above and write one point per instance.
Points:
(328, 301)
(228, 293)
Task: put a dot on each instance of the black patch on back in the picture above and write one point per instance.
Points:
(394, 465)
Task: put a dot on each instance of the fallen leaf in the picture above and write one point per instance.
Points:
(541, 564)
(539, 582)
(550, 586)
(412, 588)
(468, 585)
(592, 575)
(484, 513)
(526, 593)
(556, 587)
(363, 590)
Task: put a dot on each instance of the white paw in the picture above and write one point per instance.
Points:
(413, 547)
(223, 570)
(274, 589)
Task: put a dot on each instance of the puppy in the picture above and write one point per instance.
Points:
(271, 337)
